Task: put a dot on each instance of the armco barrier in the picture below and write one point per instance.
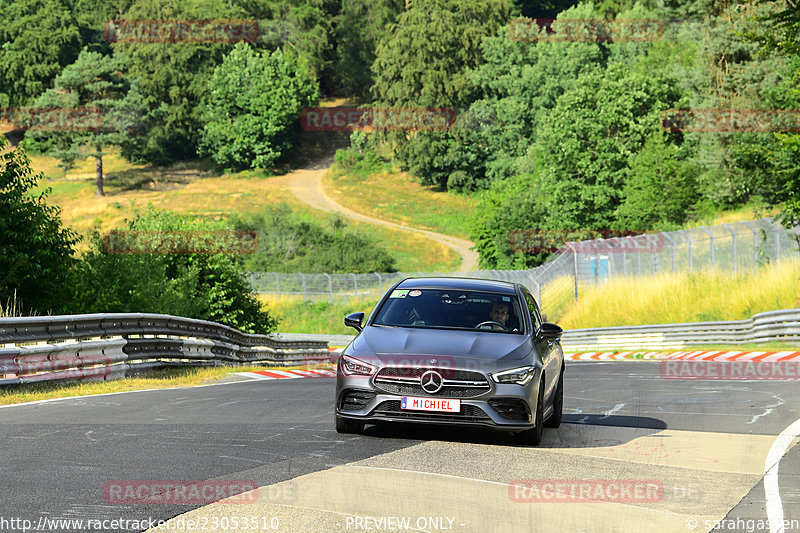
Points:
(111, 346)
(780, 326)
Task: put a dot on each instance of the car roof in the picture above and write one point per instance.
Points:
(466, 284)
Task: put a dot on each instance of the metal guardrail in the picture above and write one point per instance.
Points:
(117, 345)
(112, 346)
(772, 326)
(781, 326)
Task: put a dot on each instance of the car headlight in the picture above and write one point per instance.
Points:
(352, 366)
(517, 376)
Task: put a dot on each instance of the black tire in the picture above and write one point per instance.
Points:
(534, 436)
(345, 425)
(554, 420)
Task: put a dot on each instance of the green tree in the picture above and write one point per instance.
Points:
(360, 27)
(778, 32)
(304, 31)
(435, 43)
(91, 18)
(289, 244)
(94, 82)
(35, 250)
(209, 286)
(173, 77)
(582, 153)
(519, 82)
(255, 100)
(426, 62)
(37, 39)
(660, 187)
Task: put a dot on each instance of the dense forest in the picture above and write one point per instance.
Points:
(552, 133)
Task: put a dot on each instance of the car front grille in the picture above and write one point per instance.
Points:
(456, 383)
(468, 413)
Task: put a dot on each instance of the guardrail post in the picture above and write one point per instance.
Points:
(733, 245)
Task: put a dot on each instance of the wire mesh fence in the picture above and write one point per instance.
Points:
(736, 247)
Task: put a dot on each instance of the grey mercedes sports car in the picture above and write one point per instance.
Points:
(453, 351)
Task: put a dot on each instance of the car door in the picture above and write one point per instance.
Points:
(547, 348)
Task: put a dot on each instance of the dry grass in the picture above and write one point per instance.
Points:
(396, 197)
(191, 189)
(736, 215)
(684, 297)
(299, 316)
(160, 379)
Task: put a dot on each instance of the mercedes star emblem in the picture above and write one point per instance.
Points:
(431, 381)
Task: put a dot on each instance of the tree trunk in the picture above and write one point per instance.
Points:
(99, 158)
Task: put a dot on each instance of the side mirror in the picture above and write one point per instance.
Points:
(549, 331)
(354, 320)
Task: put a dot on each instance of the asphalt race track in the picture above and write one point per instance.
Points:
(636, 453)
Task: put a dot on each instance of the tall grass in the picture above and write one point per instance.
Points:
(12, 307)
(684, 297)
(298, 316)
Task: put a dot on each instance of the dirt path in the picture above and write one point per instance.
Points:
(306, 184)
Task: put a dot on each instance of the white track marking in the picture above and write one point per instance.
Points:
(771, 488)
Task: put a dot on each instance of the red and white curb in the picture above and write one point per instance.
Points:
(706, 355)
(288, 374)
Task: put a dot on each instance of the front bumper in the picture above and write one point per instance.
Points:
(504, 407)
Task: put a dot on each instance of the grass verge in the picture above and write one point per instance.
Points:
(158, 379)
(683, 297)
(323, 317)
(395, 197)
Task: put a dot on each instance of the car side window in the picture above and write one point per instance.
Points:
(534, 309)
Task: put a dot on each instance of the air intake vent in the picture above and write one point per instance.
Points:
(511, 408)
(356, 400)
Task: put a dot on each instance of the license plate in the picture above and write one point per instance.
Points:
(440, 405)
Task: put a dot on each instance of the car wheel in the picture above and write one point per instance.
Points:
(558, 405)
(534, 436)
(344, 425)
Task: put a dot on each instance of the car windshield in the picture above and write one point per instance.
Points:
(451, 309)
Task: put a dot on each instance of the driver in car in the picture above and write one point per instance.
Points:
(499, 314)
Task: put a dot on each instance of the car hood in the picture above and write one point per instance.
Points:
(390, 341)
